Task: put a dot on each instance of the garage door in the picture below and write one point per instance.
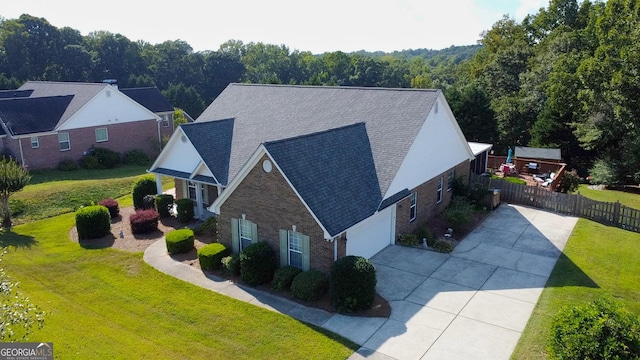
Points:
(372, 235)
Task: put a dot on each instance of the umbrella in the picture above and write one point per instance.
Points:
(509, 156)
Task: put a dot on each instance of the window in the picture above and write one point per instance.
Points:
(35, 142)
(439, 191)
(165, 120)
(191, 191)
(63, 140)
(412, 208)
(295, 249)
(102, 135)
(450, 179)
(243, 234)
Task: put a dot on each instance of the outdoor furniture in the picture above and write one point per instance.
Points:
(508, 169)
(533, 167)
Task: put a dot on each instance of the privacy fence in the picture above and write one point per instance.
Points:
(614, 214)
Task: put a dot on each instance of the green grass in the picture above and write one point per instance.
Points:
(108, 304)
(597, 259)
(626, 198)
(53, 192)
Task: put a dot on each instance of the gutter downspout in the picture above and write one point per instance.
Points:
(159, 135)
(21, 153)
(335, 249)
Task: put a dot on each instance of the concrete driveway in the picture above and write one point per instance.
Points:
(471, 304)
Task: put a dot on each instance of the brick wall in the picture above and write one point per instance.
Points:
(267, 200)
(426, 202)
(122, 137)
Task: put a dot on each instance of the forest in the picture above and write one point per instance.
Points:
(565, 77)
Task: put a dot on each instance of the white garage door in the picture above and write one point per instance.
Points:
(372, 235)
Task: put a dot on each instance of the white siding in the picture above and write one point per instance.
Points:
(179, 155)
(372, 234)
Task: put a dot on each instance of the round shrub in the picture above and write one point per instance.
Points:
(209, 227)
(90, 162)
(310, 285)
(230, 265)
(144, 221)
(136, 157)
(108, 159)
(602, 329)
(184, 208)
(145, 185)
(112, 206)
(93, 222)
(179, 241)
(210, 256)
(257, 263)
(353, 284)
(442, 246)
(283, 277)
(68, 164)
(164, 203)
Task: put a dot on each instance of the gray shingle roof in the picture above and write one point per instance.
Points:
(33, 115)
(149, 97)
(264, 113)
(9, 94)
(328, 167)
(537, 153)
(212, 140)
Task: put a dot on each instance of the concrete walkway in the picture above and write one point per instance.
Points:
(471, 304)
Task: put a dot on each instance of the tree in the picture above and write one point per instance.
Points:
(13, 178)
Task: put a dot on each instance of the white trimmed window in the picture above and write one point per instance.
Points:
(294, 249)
(35, 142)
(63, 140)
(102, 135)
(413, 208)
(243, 234)
(165, 120)
(439, 191)
(450, 178)
(191, 191)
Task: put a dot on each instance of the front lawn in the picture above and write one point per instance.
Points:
(597, 259)
(108, 304)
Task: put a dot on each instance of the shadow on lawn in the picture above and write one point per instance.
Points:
(9, 238)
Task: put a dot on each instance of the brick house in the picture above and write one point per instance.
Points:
(318, 172)
(43, 123)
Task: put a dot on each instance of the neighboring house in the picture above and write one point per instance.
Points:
(43, 123)
(318, 172)
(481, 153)
(546, 154)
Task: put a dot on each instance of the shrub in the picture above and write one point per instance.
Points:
(569, 183)
(164, 203)
(93, 222)
(149, 202)
(602, 173)
(408, 240)
(460, 187)
(144, 221)
(309, 285)
(424, 233)
(179, 241)
(68, 164)
(210, 256)
(136, 157)
(209, 227)
(602, 329)
(442, 246)
(458, 213)
(145, 185)
(283, 277)
(90, 162)
(112, 206)
(257, 263)
(184, 208)
(108, 159)
(231, 265)
(353, 284)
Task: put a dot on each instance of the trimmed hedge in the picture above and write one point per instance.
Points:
(230, 265)
(144, 221)
(353, 284)
(136, 157)
(164, 203)
(442, 246)
(112, 206)
(310, 285)
(184, 208)
(145, 185)
(257, 263)
(210, 256)
(93, 222)
(108, 159)
(179, 241)
(283, 277)
(68, 164)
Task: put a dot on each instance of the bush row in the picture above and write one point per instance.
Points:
(102, 158)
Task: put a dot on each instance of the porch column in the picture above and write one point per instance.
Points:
(158, 183)
(199, 203)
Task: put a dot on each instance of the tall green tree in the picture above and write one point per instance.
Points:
(13, 178)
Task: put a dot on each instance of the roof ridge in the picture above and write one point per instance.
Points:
(37, 97)
(315, 133)
(65, 82)
(140, 88)
(337, 87)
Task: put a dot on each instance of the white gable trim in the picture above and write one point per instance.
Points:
(178, 133)
(463, 140)
(242, 174)
(201, 165)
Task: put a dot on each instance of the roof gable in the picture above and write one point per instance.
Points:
(149, 97)
(333, 172)
(212, 140)
(33, 115)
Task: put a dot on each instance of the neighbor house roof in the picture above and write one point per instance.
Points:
(33, 115)
(10, 94)
(537, 153)
(149, 97)
(267, 113)
(328, 167)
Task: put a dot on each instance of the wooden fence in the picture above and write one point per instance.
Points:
(613, 214)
